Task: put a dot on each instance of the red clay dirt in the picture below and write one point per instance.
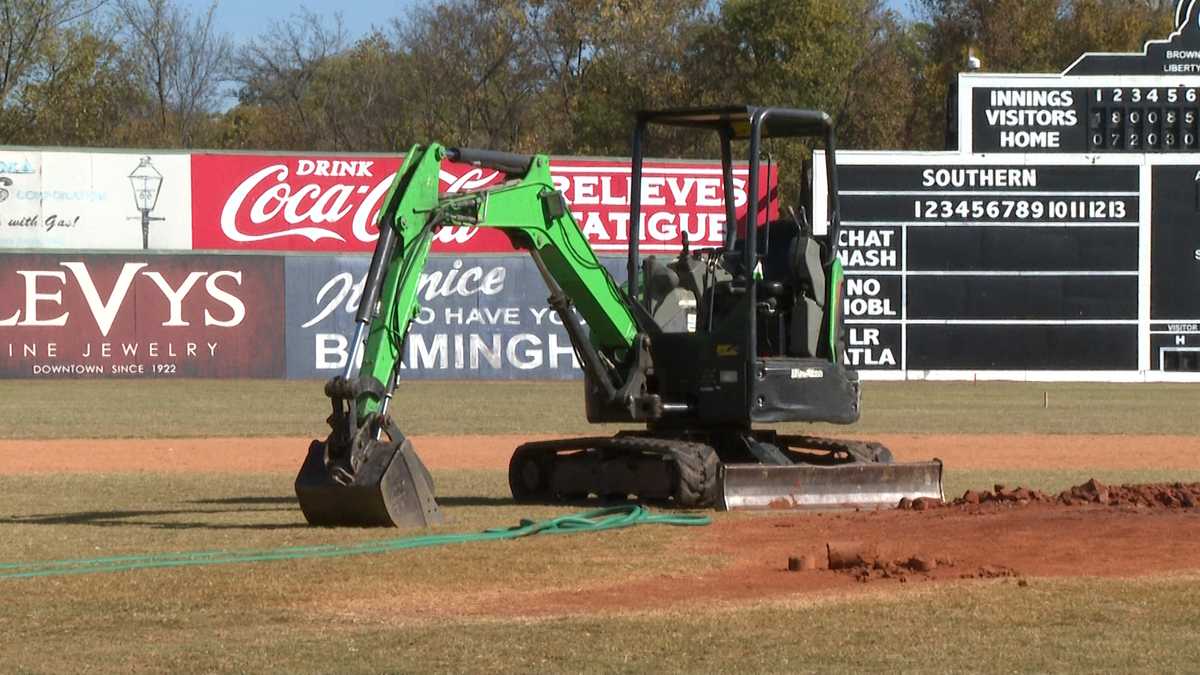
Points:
(958, 451)
(1102, 531)
(1145, 495)
(1002, 539)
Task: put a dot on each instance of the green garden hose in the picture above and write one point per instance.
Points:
(598, 520)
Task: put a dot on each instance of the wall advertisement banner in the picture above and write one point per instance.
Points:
(87, 200)
(121, 315)
(678, 200)
(482, 317)
(53, 199)
(299, 203)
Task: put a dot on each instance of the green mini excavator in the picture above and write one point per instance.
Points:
(702, 348)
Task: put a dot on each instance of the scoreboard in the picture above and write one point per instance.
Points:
(972, 263)
(1134, 119)
(1061, 241)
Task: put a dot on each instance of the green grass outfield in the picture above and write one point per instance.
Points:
(288, 616)
(200, 408)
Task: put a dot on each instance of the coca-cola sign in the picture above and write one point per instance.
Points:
(147, 316)
(301, 203)
(330, 203)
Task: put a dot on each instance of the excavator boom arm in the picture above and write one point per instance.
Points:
(530, 211)
(366, 472)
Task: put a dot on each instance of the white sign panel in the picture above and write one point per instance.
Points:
(87, 200)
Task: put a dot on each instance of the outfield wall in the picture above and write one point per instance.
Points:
(254, 263)
(266, 315)
(312, 203)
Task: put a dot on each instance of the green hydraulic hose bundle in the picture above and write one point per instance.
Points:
(598, 520)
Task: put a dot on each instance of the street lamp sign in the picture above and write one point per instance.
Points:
(147, 183)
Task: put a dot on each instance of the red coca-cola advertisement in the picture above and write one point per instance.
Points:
(119, 315)
(330, 203)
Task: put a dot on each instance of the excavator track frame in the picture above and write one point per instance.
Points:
(678, 473)
(816, 473)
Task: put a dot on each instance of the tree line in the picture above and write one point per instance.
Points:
(557, 76)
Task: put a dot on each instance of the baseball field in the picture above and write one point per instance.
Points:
(202, 471)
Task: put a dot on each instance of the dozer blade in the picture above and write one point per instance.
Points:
(391, 488)
(748, 487)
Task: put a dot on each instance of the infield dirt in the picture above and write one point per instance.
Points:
(270, 454)
(1024, 540)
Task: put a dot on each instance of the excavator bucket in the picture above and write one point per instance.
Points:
(389, 488)
(752, 487)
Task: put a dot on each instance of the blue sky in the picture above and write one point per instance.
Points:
(244, 19)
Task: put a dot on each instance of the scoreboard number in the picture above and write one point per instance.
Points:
(1130, 119)
(1138, 95)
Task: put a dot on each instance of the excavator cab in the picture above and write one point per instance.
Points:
(750, 333)
(751, 330)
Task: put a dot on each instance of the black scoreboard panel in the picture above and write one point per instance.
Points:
(991, 267)
(1175, 267)
(1175, 242)
(1050, 297)
(1086, 119)
(1001, 347)
(1075, 249)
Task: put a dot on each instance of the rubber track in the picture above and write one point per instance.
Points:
(861, 451)
(697, 465)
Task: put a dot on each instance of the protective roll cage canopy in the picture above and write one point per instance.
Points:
(736, 120)
(738, 123)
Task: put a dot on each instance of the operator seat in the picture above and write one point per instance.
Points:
(808, 282)
(794, 259)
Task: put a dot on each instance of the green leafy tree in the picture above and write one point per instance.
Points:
(604, 59)
(1036, 36)
(479, 88)
(557, 76)
(358, 97)
(851, 58)
(28, 30)
(83, 94)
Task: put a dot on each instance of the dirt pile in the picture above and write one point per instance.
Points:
(1160, 495)
(864, 562)
(919, 504)
(1000, 494)
(1149, 495)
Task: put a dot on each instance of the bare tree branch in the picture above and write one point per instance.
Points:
(25, 27)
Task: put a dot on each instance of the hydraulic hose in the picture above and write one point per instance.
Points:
(598, 520)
